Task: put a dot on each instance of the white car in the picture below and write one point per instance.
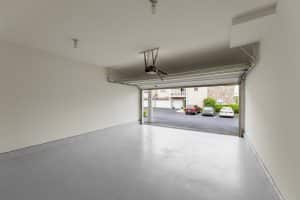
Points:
(226, 112)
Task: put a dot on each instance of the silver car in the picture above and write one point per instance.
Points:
(208, 111)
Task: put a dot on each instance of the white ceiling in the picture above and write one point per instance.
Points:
(112, 32)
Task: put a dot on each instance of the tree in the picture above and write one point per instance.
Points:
(211, 102)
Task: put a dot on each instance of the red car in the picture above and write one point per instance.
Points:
(192, 110)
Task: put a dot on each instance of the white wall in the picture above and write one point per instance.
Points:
(196, 97)
(161, 103)
(272, 100)
(45, 98)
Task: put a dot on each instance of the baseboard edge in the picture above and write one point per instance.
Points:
(267, 172)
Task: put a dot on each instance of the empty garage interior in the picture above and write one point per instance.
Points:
(72, 75)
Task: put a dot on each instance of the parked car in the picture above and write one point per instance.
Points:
(192, 110)
(226, 112)
(208, 111)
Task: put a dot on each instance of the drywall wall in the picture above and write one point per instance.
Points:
(45, 98)
(272, 99)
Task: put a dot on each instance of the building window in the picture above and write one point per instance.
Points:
(196, 89)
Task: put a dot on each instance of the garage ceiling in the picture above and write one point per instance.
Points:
(111, 32)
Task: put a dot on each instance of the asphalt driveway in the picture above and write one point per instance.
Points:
(216, 124)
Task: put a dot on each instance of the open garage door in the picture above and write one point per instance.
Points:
(225, 75)
(213, 109)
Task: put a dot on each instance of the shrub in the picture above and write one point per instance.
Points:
(218, 107)
(145, 113)
(209, 102)
(235, 108)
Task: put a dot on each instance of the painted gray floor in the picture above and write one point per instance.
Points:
(133, 162)
(216, 124)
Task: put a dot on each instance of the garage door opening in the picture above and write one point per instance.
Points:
(213, 109)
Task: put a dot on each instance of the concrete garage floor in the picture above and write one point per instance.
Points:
(216, 124)
(134, 162)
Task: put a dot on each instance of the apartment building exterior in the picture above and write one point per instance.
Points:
(180, 97)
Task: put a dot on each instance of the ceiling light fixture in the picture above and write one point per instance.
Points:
(153, 5)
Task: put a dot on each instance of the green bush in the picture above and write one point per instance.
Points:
(209, 102)
(235, 107)
(218, 107)
(145, 113)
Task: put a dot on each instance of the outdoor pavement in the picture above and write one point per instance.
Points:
(216, 124)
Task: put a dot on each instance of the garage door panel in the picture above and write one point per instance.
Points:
(223, 75)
